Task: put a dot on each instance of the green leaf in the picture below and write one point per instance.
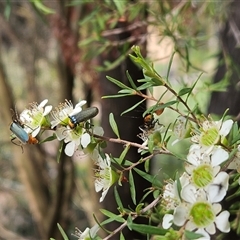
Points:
(113, 124)
(148, 177)
(133, 107)
(132, 187)
(184, 91)
(117, 198)
(192, 235)
(121, 236)
(65, 237)
(118, 83)
(147, 229)
(127, 91)
(116, 96)
(144, 86)
(123, 154)
(131, 81)
(112, 216)
(41, 7)
(48, 139)
(139, 208)
(169, 65)
(147, 165)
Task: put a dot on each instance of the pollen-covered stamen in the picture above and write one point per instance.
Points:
(202, 214)
(210, 137)
(202, 175)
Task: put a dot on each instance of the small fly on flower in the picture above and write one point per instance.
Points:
(82, 116)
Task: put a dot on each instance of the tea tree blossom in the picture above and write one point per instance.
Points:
(74, 138)
(212, 132)
(87, 234)
(63, 111)
(36, 117)
(198, 212)
(105, 176)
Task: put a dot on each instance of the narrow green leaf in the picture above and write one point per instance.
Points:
(131, 81)
(147, 229)
(121, 236)
(184, 91)
(113, 124)
(148, 177)
(116, 96)
(123, 154)
(127, 91)
(147, 165)
(65, 237)
(118, 83)
(132, 187)
(41, 7)
(139, 208)
(170, 65)
(129, 222)
(133, 107)
(144, 86)
(48, 139)
(112, 216)
(117, 198)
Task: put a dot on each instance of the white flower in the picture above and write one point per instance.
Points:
(73, 138)
(171, 196)
(87, 234)
(212, 132)
(105, 176)
(63, 111)
(35, 117)
(198, 212)
(204, 165)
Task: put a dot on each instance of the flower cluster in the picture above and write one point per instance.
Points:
(36, 119)
(71, 125)
(194, 199)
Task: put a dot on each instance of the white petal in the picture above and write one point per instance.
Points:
(222, 221)
(104, 193)
(217, 208)
(211, 228)
(180, 216)
(167, 221)
(98, 185)
(218, 189)
(219, 156)
(70, 149)
(226, 127)
(47, 110)
(43, 103)
(205, 234)
(85, 140)
(188, 193)
(36, 131)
